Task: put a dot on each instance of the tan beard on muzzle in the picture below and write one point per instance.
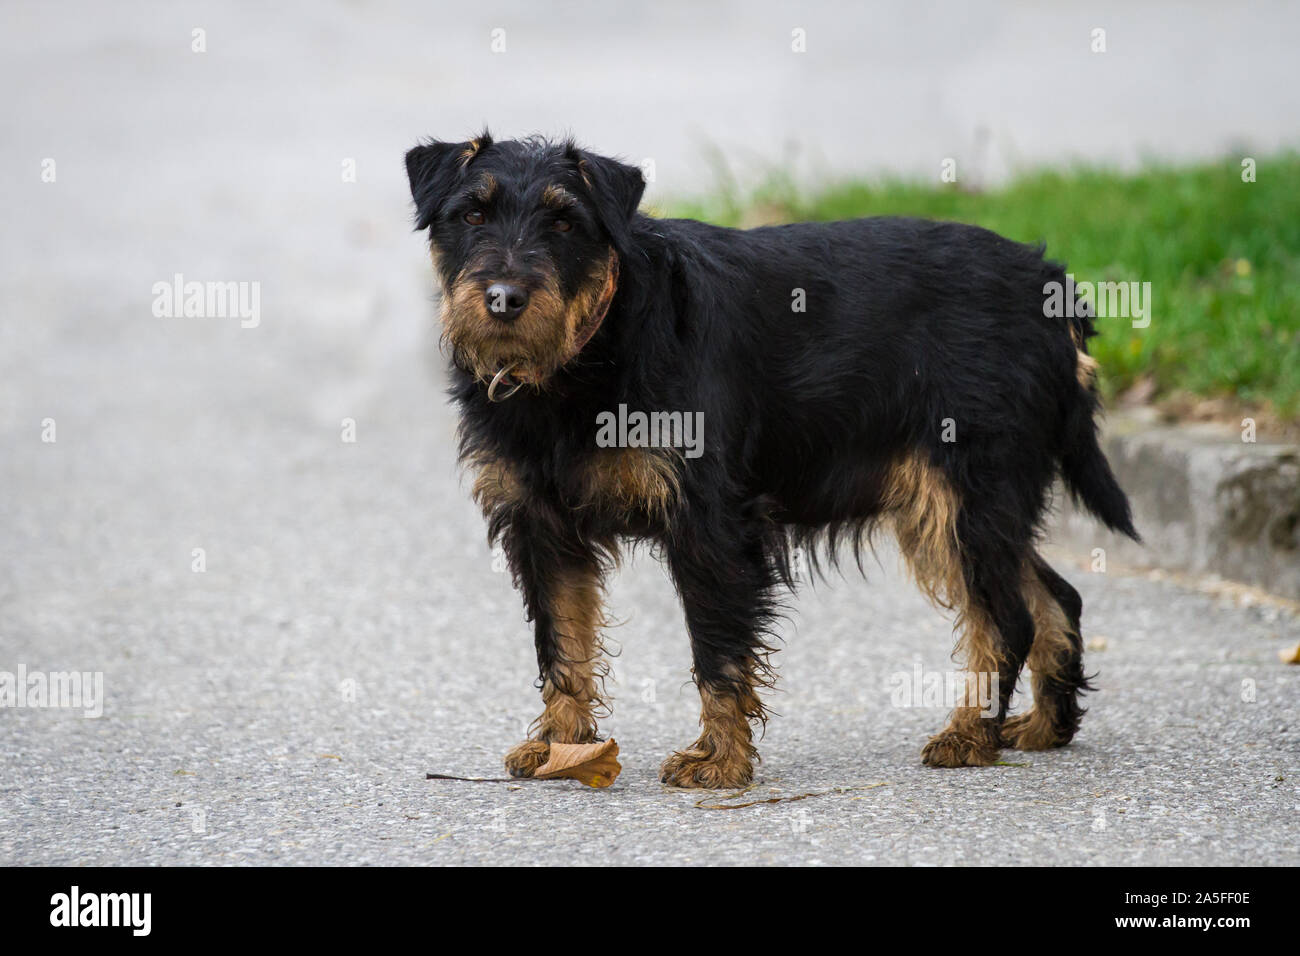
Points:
(548, 335)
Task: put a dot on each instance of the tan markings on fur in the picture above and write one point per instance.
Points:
(1085, 368)
(557, 197)
(541, 340)
(971, 737)
(524, 759)
(583, 304)
(467, 155)
(584, 173)
(633, 479)
(724, 754)
(496, 485)
(481, 342)
(967, 741)
(571, 691)
(1051, 650)
(485, 188)
(922, 507)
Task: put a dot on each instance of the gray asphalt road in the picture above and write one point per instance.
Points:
(350, 632)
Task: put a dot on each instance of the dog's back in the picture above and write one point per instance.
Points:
(868, 335)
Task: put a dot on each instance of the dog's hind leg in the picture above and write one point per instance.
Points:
(1056, 660)
(970, 561)
(997, 633)
(725, 579)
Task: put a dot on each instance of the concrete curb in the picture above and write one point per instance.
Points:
(1204, 500)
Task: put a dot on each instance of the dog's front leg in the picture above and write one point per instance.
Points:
(725, 579)
(562, 590)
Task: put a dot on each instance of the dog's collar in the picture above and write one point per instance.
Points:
(514, 377)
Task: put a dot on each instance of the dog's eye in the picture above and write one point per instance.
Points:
(475, 217)
(562, 225)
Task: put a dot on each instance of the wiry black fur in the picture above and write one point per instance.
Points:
(907, 323)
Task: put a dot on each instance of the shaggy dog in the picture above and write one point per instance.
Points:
(847, 376)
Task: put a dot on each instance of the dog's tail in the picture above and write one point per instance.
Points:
(1088, 476)
(1084, 466)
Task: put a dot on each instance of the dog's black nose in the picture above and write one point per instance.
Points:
(505, 301)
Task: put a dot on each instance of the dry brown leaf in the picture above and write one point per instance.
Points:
(596, 765)
(1291, 655)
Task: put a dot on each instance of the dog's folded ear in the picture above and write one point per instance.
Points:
(616, 190)
(434, 169)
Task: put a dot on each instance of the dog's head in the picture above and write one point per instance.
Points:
(523, 234)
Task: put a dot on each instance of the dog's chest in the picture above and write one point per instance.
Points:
(628, 490)
(629, 484)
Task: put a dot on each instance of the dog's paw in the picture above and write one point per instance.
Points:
(958, 748)
(1031, 731)
(695, 768)
(523, 760)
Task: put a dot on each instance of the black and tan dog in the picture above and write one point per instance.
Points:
(850, 375)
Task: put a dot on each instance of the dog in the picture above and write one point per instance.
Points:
(850, 376)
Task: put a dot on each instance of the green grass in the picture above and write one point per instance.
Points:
(1222, 257)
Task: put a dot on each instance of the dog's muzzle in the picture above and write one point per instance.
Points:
(513, 376)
